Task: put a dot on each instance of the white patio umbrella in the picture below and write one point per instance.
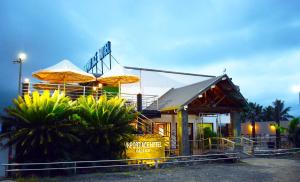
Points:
(118, 75)
(63, 72)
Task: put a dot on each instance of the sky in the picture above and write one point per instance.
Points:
(256, 41)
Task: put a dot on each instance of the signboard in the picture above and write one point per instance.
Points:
(99, 55)
(146, 146)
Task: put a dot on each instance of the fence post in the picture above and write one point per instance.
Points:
(242, 141)
(209, 143)
(75, 168)
(156, 163)
(83, 90)
(223, 144)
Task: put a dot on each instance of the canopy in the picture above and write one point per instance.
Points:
(118, 75)
(63, 72)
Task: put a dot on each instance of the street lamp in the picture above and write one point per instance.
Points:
(21, 58)
(296, 89)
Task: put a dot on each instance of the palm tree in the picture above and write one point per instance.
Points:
(268, 113)
(280, 114)
(253, 113)
(107, 124)
(39, 127)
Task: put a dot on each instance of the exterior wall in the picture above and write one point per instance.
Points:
(262, 128)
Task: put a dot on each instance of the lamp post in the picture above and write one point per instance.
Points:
(296, 89)
(21, 58)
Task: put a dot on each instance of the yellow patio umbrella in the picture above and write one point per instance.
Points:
(63, 72)
(116, 76)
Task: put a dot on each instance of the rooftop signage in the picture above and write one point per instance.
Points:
(99, 55)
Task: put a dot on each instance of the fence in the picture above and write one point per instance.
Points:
(270, 142)
(211, 144)
(88, 166)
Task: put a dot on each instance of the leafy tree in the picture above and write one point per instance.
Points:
(39, 126)
(106, 124)
(281, 113)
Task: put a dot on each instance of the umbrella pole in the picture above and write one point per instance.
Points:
(119, 89)
(64, 86)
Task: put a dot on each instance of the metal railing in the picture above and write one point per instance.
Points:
(218, 144)
(269, 142)
(246, 145)
(141, 163)
(74, 91)
(276, 152)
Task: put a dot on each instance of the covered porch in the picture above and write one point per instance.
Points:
(183, 111)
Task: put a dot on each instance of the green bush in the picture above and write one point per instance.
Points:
(39, 127)
(45, 127)
(106, 125)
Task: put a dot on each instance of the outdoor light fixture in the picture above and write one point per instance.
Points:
(250, 127)
(296, 89)
(185, 107)
(200, 96)
(272, 127)
(26, 80)
(224, 78)
(213, 86)
(21, 58)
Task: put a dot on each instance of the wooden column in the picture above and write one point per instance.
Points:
(173, 132)
(139, 109)
(183, 132)
(235, 120)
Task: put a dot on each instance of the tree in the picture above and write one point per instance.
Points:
(253, 113)
(107, 125)
(280, 114)
(294, 131)
(268, 113)
(39, 126)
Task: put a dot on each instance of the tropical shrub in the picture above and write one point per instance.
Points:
(106, 125)
(39, 126)
(294, 131)
(208, 133)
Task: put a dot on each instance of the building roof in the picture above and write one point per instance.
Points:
(179, 97)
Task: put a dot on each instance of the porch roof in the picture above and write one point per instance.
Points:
(179, 97)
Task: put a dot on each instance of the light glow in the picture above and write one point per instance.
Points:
(250, 127)
(295, 88)
(272, 127)
(22, 56)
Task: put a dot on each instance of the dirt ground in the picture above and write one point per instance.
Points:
(252, 169)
